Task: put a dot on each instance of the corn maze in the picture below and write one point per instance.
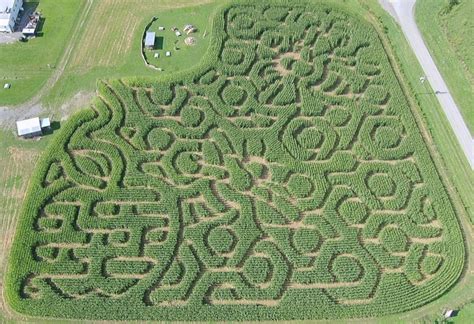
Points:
(285, 178)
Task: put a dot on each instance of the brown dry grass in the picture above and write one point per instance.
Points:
(16, 168)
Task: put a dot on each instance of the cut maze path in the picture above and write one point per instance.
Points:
(283, 178)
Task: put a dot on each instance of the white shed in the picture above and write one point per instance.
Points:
(150, 40)
(29, 127)
(45, 123)
(9, 11)
(450, 313)
(32, 127)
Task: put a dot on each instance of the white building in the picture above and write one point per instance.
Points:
(9, 10)
(450, 313)
(32, 127)
(150, 40)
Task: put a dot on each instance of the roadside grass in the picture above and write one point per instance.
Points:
(25, 65)
(138, 121)
(451, 160)
(115, 51)
(450, 41)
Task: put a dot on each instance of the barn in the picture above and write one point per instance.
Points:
(9, 11)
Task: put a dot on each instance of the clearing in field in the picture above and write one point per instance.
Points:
(283, 179)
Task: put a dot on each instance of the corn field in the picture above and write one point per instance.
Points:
(284, 178)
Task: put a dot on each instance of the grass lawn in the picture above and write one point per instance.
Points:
(105, 55)
(25, 65)
(182, 56)
(465, 315)
(449, 39)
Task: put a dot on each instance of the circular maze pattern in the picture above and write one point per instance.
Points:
(284, 179)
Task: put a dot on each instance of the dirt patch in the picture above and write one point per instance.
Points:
(277, 62)
(8, 115)
(81, 100)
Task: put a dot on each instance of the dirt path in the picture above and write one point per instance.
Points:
(8, 115)
(403, 12)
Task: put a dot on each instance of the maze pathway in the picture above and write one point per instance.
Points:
(284, 179)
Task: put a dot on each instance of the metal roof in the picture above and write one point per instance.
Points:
(6, 7)
(4, 4)
(28, 126)
(45, 122)
(150, 39)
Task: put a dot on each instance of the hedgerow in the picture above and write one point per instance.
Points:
(284, 178)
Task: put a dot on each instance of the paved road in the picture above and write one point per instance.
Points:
(403, 12)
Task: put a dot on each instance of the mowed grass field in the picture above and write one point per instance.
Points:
(116, 41)
(25, 65)
(114, 52)
(449, 36)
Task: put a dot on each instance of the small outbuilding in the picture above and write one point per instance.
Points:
(32, 127)
(150, 40)
(45, 123)
(178, 33)
(450, 313)
(168, 53)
